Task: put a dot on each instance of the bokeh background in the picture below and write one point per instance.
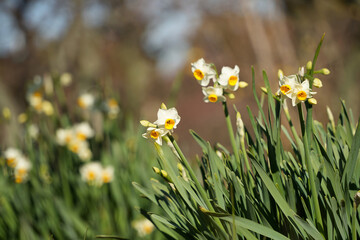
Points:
(141, 51)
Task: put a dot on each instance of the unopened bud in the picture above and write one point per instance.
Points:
(180, 167)
(48, 84)
(231, 96)
(145, 123)
(6, 113)
(22, 118)
(163, 106)
(165, 175)
(156, 170)
(312, 101)
(329, 113)
(65, 79)
(309, 65)
(240, 125)
(264, 89)
(317, 83)
(325, 71)
(301, 72)
(243, 84)
(280, 74)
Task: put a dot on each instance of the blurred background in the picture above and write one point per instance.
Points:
(141, 51)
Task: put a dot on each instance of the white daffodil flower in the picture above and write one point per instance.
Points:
(301, 92)
(203, 72)
(76, 145)
(83, 131)
(12, 155)
(84, 153)
(86, 100)
(229, 78)
(92, 173)
(155, 133)
(168, 119)
(64, 136)
(287, 85)
(107, 174)
(213, 94)
(22, 169)
(143, 227)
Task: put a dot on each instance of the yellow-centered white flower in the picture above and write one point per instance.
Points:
(229, 78)
(143, 227)
(12, 155)
(64, 136)
(287, 85)
(107, 174)
(168, 119)
(92, 173)
(86, 100)
(203, 72)
(84, 153)
(301, 92)
(83, 131)
(213, 94)
(155, 134)
(22, 169)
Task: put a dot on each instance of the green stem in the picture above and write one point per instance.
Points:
(353, 227)
(302, 121)
(232, 138)
(307, 143)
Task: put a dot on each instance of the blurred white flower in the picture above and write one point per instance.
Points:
(65, 79)
(229, 78)
(203, 72)
(92, 173)
(47, 108)
(86, 101)
(107, 174)
(83, 131)
(35, 100)
(64, 136)
(84, 153)
(12, 155)
(143, 227)
(76, 145)
(22, 169)
(213, 94)
(33, 131)
(113, 108)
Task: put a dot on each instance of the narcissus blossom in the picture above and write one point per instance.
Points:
(107, 174)
(287, 84)
(213, 94)
(92, 173)
(12, 155)
(155, 134)
(168, 119)
(22, 169)
(64, 136)
(203, 72)
(229, 78)
(301, 92)
(143, 227)
(86, 101)
(83, 131)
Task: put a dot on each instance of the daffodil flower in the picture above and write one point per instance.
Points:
(287, 85)
(229, 78)
(155, 133)
(213, 94)
(107, 174)
(86, 101)
(203, 72)
(12, 155)
(92, 173)
(22, 169)
(83, 131)
(167, 119)
(301, 92)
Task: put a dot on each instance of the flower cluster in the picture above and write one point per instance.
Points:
(167, 120)
(37, 102)
(95, 174)
(75, 139)
(21, 165)
(297, 87)
(228, 80)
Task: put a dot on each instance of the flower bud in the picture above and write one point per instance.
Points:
(280, 74)
(180, 167)
(22, 118)
(312, 101)
(65, 79)
(309, 65)
(264, 89)
(163, 106)
(317, 83)
(165, 175)
(324, 71)
(231, 96)
(6, 113)
(243, 84)
(145, 123)
(240, 126)
(301, 72)
(156, 170)
(48, 85)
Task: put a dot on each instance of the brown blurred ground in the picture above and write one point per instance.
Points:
(130, 53)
